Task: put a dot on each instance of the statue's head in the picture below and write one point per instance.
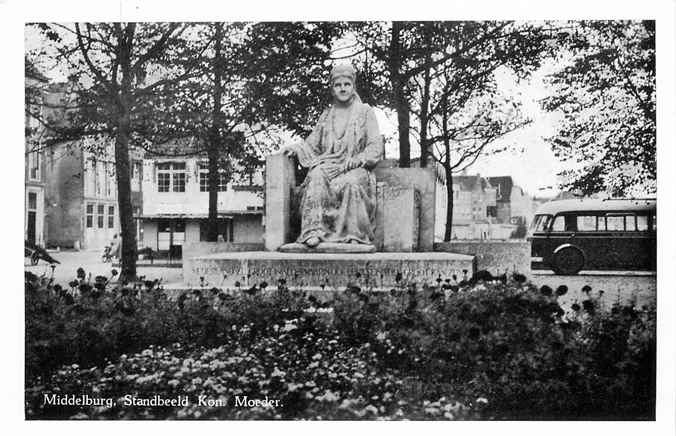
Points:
(343, 83)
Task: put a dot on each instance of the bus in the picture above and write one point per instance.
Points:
(568, 236)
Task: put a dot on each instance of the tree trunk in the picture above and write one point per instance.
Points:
(213, 146)
(447, 168)
(122, 170)
(449, 202)
(424, 108)
(399, 97)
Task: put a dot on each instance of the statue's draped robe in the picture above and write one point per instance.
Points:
(338, 205)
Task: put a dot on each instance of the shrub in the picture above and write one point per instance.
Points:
(475, 349)
(88, 326)
(514, 345)
(299, 363)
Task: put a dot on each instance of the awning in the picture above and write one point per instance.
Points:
(229, 214)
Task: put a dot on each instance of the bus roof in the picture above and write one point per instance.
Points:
(593, 204)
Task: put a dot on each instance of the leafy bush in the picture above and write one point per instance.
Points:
(489, 349)
(88, 325)
(301, 363)
(514, 345)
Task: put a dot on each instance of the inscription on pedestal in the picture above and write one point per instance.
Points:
(330, 272)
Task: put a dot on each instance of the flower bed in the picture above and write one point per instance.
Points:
(475, 350)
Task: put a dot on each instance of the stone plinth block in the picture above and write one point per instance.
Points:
(328, 271)
(423, 180)
(401, 218)
(279, 182)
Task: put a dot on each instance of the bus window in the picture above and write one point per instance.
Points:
(641, 223)
(601, 224)
(586, 223)
(655, 222)
(559, 224)
(615, 223)
(540, 223)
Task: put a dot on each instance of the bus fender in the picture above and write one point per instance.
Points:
(561, 247)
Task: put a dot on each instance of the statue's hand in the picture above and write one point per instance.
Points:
(353, 163)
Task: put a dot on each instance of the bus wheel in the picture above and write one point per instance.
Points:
(568, 261)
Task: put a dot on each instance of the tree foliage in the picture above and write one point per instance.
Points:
(115, 71)
(287, 69)
(405, 65)
(607, 96)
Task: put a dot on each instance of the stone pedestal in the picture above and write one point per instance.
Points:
(327, 271)
(401, 218)
(423, 181)
(279, 183)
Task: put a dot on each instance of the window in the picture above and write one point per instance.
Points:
(204, 179)
(615, 223)
(586, 223)
(100, 175)
(136, 170)
(137, 175)
(109, 179)
(163, 182)
(541, 222)
(34, 165)
(171, 177)
(225, 230)
(99, 217)
(32, 200)
(111, 217)
(655, 222)
(642, 223)
(559, 224)
(601, 223)
(90, 215)
(179, 182)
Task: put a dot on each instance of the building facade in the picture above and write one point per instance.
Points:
(81, 193)
(514, 205)
(474, 201)
(34, 152)
(34, 201)
(176, 206)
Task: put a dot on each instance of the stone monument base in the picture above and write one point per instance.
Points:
(327, 271)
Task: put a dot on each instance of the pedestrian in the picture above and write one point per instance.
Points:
(116, 247)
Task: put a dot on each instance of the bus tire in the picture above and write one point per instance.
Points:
(568, 261)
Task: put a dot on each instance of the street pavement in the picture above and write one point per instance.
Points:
(91, 262)
(622, 285)
(611, 286)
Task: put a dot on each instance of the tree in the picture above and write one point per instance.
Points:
(197, 106)
(461, 135)
(287, 72)
(606, 94)
(250, 77)
(411, 56)
(114, 70)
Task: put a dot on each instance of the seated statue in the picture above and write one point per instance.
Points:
(338, 196)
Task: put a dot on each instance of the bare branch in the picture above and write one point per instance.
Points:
(92, 67)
